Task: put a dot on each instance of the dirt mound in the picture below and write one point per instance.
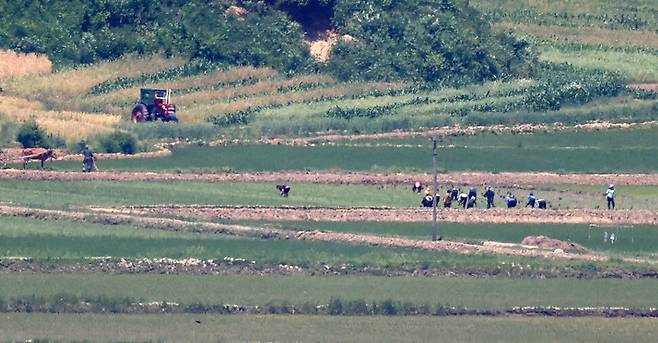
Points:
(237, 11)
(320, 48)
(645, 86)
(551, 243)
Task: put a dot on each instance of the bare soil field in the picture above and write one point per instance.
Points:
(337, 177)
(491, 216)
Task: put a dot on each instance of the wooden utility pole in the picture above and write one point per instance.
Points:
(435, 189)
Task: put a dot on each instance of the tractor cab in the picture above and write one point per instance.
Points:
(154, 104)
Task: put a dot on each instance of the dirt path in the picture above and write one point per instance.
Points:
(110, 216)
(493, 216)
(14, 155)
(338, 177)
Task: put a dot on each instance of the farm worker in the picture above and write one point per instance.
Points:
(417, 187)
(471, 202)
(428, 191)
(489, 194)
(472, 192)
(462, 199)
(284, 189)
(610, 196)
(541, 203)
(531, 200)
(427, 201)
(447, 201)
(88, 160)
(454, 193)
(510, 200)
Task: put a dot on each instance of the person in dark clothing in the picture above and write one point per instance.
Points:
(447, 201)
(471, 202)
(541, 203)
(417, 187)
(454, 193)
(88, 160)
(510, 200)
(532, 199)
(490, 194)
(284, 190)
(427, 201)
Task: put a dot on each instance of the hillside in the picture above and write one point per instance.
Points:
(232, 78)
(412, 40)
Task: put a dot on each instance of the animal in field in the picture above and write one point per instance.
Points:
(38, 154)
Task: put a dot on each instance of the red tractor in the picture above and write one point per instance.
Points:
(153, 105)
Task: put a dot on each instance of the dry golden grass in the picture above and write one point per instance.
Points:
(201, 112)
(73, 131)
(587, 35)
(72, 126)
(20, 104)
(59, 88)
(13, 64)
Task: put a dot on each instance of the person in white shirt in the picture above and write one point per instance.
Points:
(610, 195)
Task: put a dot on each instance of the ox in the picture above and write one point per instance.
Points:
(38, 154)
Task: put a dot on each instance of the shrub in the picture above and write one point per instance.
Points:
(335, 306)
(8, 132)
(243, 117)
(30, 135)
(119, 141)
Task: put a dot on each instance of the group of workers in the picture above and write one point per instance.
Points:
(469, 199)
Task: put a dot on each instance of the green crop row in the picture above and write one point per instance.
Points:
(260, 290)
(193, 67)
(558, 85)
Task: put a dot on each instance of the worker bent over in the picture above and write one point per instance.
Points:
(541, 203)
(454, 193)
(510, 200)
(427, 201)
(463, 197)
(471, 202)
(417, 187)
(447, 201)
(532, 199)
(283, 190)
